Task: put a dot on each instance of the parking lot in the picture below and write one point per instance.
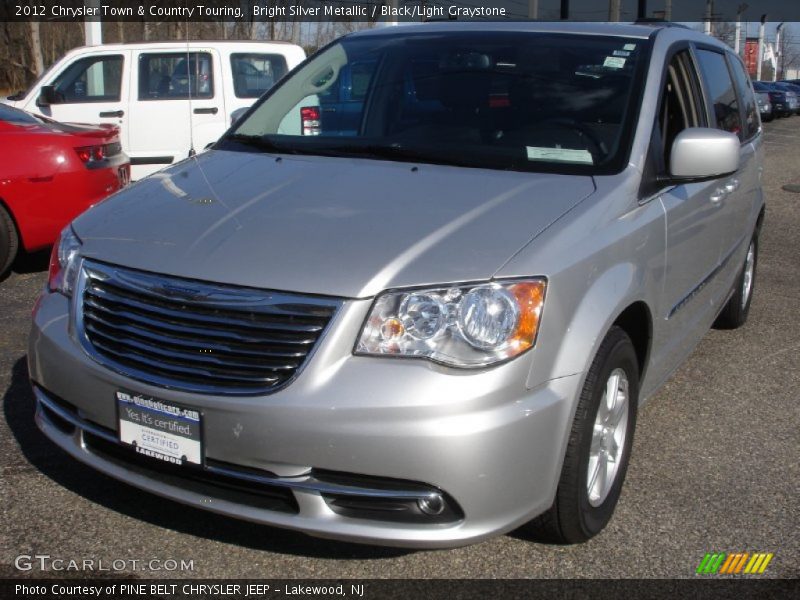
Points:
(714, 466)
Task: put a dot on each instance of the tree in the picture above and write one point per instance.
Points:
(36, 48)
(788, 52)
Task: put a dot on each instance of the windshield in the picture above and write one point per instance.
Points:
(503, 100)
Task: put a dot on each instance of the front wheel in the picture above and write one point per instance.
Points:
(599, 446)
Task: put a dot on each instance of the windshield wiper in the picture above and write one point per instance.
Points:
(394, 151)
(257, 141)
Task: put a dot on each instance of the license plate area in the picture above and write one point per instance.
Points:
(161, 430)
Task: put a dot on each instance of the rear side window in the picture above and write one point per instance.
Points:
(360, 77)
(745, 90)
(90, 79)
(175, 76)
(254, 74)
(719, 88)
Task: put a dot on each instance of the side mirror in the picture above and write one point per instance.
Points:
(47, 96)
(704, 153)
(237, 114)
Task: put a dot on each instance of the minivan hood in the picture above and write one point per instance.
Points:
(335, 226)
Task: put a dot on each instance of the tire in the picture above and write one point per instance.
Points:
(9, 242)
(768, 119)
(582, 509)
(734, 313)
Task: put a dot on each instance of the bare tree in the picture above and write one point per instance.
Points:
(725, 32)
(36, 48)
(789, 52)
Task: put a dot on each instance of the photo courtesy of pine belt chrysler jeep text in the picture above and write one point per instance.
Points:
(417, 293)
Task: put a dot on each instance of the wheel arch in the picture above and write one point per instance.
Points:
(618, 296)
(760, 219)
(9, 211)
(637, 322)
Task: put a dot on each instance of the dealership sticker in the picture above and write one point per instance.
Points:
(614, 62)
(559, 155)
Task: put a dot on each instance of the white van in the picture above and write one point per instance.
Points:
(167, 98)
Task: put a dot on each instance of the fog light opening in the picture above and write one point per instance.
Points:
(432, 504)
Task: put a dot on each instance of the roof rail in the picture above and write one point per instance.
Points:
(653, 22)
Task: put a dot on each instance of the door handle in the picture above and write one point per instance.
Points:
(718, 195)
(206, 111)
(112, 113)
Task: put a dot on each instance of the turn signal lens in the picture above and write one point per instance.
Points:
(530, 299)
(64, 262)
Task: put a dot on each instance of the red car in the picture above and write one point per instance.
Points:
(50, 172)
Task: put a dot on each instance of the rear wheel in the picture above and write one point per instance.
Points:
(599, 446)
(9, 242)
(735, 312)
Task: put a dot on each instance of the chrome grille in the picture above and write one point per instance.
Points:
(195, 336)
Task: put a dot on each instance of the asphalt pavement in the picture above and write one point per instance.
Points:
(714, 467)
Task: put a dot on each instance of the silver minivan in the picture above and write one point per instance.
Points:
(428, 323)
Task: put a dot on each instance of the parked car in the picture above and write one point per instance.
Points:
(792, 92)
(783, 105)
(50, 172)
(167, 98)
(764, 106)
(435, 324)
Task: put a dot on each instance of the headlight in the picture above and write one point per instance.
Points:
(463, 326)
(64, 262)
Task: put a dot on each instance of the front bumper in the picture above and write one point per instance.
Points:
(481, 439)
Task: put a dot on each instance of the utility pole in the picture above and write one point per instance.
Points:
(778, 53)
(392, 20)
(668, 10)
(613, 10)
(564, 10)
(642, 12)
(93, 28)
(760, 46)
(739, 11)
(533, 9)
(709, 12)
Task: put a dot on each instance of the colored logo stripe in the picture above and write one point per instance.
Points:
(759, 562)
(711, 562)
(735, 563)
